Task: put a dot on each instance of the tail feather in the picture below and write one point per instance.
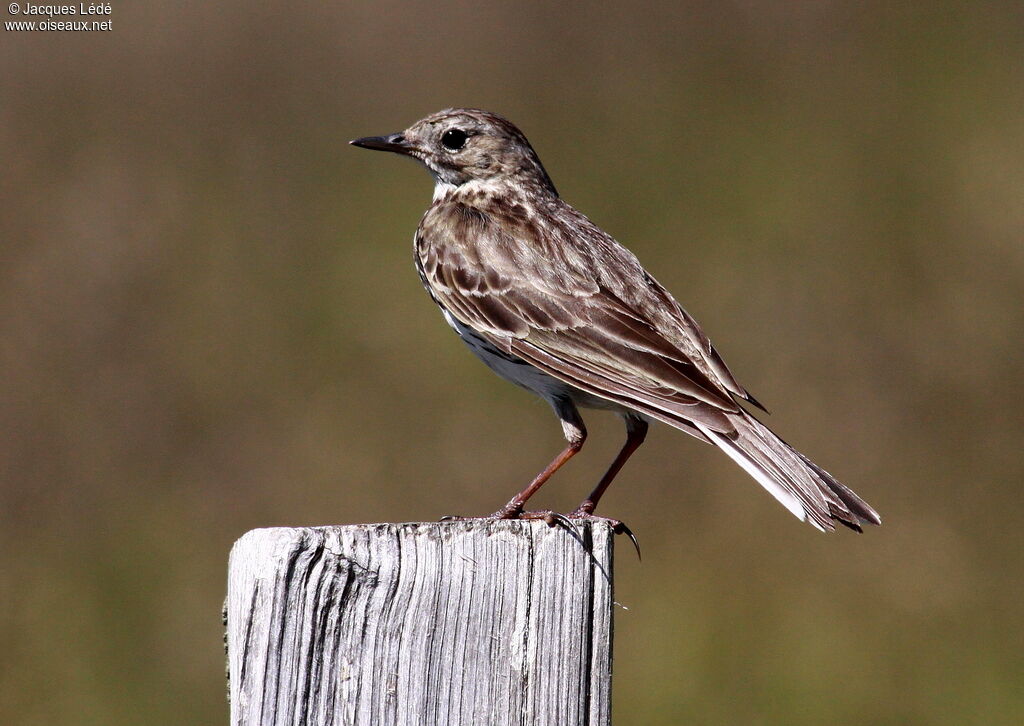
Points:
(805, 489)
(864, 511)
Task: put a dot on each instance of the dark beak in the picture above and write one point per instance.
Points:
(391, 142)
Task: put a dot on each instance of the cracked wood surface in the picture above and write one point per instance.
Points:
(452, 623)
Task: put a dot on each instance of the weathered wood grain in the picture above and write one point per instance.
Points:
(452, 623)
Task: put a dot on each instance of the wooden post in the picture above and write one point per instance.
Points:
(472, 623)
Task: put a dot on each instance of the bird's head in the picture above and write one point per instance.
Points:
(461, 145)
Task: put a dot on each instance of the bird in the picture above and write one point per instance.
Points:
(553, 304)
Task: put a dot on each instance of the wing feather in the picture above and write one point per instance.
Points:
(583, 310)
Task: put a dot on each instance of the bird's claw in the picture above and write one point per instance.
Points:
(617, 525)
(554, 519)
(551, 518)
(621, 528)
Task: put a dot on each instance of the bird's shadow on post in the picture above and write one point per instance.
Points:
(584, 534)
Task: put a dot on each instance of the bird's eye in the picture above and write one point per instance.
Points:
(454, 139)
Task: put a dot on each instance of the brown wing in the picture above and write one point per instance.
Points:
(572, 301)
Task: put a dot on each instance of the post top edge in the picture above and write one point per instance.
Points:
(487, 526)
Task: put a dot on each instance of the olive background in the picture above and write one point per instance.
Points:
(210, 322)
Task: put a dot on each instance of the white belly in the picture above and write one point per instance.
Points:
(523, 374)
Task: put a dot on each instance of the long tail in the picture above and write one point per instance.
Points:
(805, 489)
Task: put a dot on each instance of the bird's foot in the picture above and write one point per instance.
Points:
(512, 512)
(617, 525)
(546, 515)
(553, 519)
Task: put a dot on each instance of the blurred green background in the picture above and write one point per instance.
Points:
(209, 322)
